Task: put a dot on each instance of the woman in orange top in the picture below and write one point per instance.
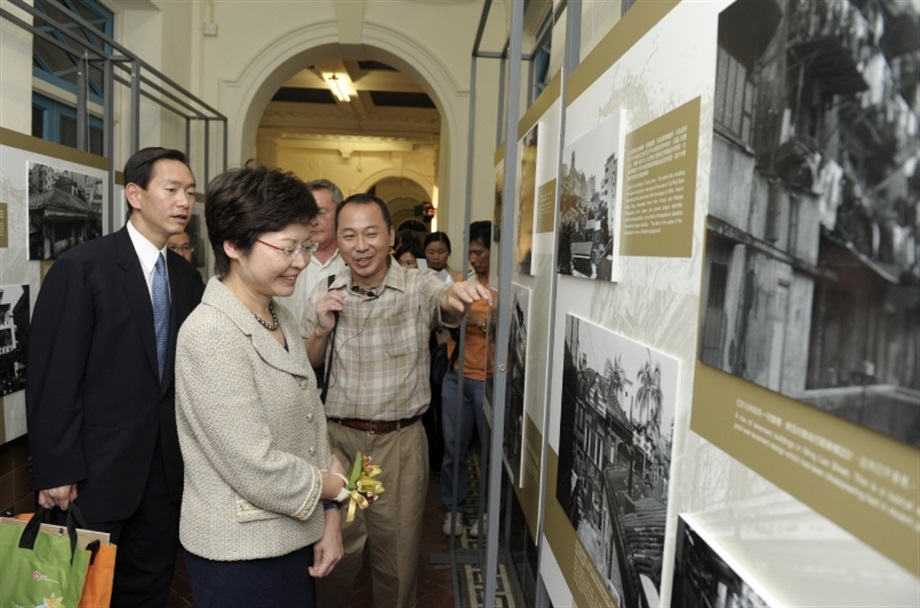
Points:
(477, 366)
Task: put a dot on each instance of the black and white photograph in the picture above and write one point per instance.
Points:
(65, 209)
(526, 201)
(14, 333)
(589, 201)
(704, 578)
(617, 421)
(812, 260)
(514, 389)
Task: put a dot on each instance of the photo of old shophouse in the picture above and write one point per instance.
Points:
(812, 280)
(615, 454)
(65, 209)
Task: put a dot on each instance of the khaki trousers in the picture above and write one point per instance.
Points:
(392, 527)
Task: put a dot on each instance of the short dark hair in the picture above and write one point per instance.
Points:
(437, 236)
(413, 248)
(482, 232)
(139, 168)
(363, 198)
(407, 236)
(325, 184)
(242, 204)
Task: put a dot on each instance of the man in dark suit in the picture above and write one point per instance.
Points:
(100, 393)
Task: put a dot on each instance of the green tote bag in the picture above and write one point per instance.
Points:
(40, 570)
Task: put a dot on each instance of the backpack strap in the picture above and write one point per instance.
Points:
(327, 363)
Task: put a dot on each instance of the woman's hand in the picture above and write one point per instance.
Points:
(335, 465)
(328, 550)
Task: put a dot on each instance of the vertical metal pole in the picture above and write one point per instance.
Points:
(570, 61)
(452, 548)
(108, 135)
(500, 124)
(531, 68)
(504, 308)
(82, 90)
(188, 135)
(207, 149)
(471, 131)
(135, 143)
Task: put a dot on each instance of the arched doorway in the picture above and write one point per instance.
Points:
(317, 44)
(404, 197)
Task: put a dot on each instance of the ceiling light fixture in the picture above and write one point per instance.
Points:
(338, 88)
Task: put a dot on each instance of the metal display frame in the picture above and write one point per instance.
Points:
(123, 67)
(489, 553)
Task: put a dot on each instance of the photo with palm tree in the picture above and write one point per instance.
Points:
(617, 421)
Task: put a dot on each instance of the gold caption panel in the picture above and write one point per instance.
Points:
(4, 227)
(586, 585)
(862, 481)
(659, 185)
(546, 206)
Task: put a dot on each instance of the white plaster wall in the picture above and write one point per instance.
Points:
(240, 70)
(359, 171)
(15, 83)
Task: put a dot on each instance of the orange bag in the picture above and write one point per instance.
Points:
(97, 590)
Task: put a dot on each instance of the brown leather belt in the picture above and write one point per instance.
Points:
(375, 427)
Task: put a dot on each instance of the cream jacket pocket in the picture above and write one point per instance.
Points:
(246, 511)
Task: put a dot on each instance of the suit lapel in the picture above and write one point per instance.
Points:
(293, 361)
(137, 293)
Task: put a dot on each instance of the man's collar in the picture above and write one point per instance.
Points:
(395, 279)
(335, 252)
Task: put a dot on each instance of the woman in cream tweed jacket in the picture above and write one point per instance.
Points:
(251, 424)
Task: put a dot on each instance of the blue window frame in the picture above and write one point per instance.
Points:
(58, 67)
(57, 122)
(53, 120)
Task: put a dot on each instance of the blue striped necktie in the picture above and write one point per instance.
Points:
(161, 311)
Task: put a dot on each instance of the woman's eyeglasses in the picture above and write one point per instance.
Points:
(289, 251)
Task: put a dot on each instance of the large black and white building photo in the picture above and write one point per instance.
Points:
(812, 263)
(65, 209)
(618, 400)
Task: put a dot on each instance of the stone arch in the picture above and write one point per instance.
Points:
(248, 95)
(426, 184)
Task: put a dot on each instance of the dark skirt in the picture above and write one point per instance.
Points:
(274, 581)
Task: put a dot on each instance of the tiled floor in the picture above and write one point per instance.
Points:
(434, 589)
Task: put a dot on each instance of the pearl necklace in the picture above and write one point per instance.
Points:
(274, 324)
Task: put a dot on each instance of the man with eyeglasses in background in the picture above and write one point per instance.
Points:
(325, 259)
(182, 244)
